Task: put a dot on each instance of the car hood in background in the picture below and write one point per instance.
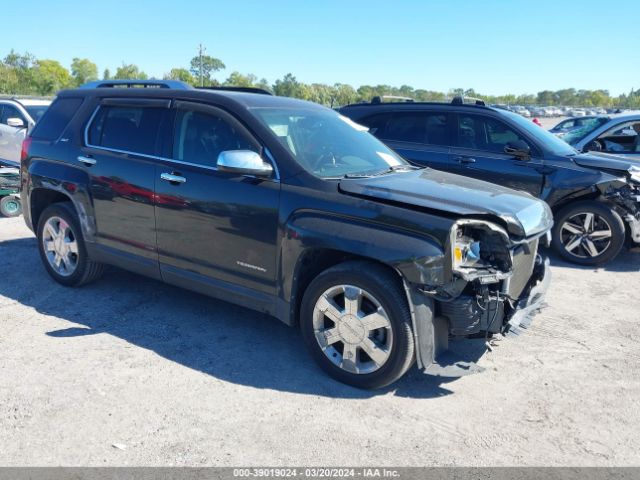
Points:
(606, 162)
(446, 192)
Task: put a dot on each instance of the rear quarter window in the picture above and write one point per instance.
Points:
(127, 128)
(56, 118)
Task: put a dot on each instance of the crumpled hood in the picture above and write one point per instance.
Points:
(446, 192)
(606, 162)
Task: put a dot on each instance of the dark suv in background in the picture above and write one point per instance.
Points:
(285, 207)
(595, 198)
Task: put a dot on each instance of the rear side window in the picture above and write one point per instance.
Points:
(429, 128)
(129, 129)
(56, 118)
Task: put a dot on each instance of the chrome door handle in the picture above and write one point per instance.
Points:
(169, 177)
(87, 160)
(466, 160)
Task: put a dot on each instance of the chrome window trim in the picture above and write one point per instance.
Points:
(165, 159)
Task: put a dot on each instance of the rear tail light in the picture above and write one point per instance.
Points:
(26, 145)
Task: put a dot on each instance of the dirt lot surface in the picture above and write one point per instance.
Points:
(128, 371)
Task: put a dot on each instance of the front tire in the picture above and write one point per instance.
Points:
(356, 323)
(62, 248)
(588, 233)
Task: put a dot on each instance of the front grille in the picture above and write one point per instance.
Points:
(524, 260)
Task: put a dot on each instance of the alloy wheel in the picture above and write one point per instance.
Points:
(586, 235)
(60, 246)
(352, 329)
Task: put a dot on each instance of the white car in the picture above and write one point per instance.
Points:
(17, 116)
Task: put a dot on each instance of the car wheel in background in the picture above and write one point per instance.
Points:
(588, 233)
(356, 322)
(10, 206)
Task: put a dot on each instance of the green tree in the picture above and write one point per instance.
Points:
(264, 84)
(429, 96)
(344, 94)
(16, 73)
(321, 93)
(49, 77)
(181, 74)
(129, 72)
(83, 70)
(202, 67)
(16, 60)
(9, 82)
(288, 87)
(546, 97)
(106, 75)
(236, 79)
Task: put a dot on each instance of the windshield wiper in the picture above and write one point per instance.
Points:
(391, 169)
(405, 166)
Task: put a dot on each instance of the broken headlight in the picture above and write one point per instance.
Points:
(466, 252)
(480, 251)
(634, 171)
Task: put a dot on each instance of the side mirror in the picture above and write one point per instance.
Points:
(519, 149)
(16, 122)
(593, 146)
(243, 162)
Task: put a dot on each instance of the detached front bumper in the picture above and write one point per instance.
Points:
(436, 323)
(526, 308)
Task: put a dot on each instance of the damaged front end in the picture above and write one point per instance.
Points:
(497, 285)
(625, 198)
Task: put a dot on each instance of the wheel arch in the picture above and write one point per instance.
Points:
(313, 244)
(574, 198)
(41, 198)
(50, 183)
(314, 261)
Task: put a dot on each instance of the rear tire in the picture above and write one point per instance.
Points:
(62, 248)
(588, 233)
(357, 325)
(10, 206)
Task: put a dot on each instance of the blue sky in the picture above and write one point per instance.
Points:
(493, 46)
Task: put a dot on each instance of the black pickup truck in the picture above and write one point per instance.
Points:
(285, 207)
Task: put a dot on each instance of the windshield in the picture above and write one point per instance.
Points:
(328, 144)
(548, 140)
(574, 136)
(36, 111)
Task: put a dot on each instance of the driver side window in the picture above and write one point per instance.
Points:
(199, 137)
(7, 112)
(484, 133)
(623, 138)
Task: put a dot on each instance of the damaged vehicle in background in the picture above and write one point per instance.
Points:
(288, 208)
(17, 115)
(595, 198)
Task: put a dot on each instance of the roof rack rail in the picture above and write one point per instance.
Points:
(261, 91)
(381, 98)
(173, 84)
(17, 98)
(461, 100)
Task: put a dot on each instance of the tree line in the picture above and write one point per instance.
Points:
(24, 74)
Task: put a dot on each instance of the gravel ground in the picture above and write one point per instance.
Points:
(173, 378)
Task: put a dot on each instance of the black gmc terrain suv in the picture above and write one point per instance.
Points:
(285, 207)
(595, 197)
